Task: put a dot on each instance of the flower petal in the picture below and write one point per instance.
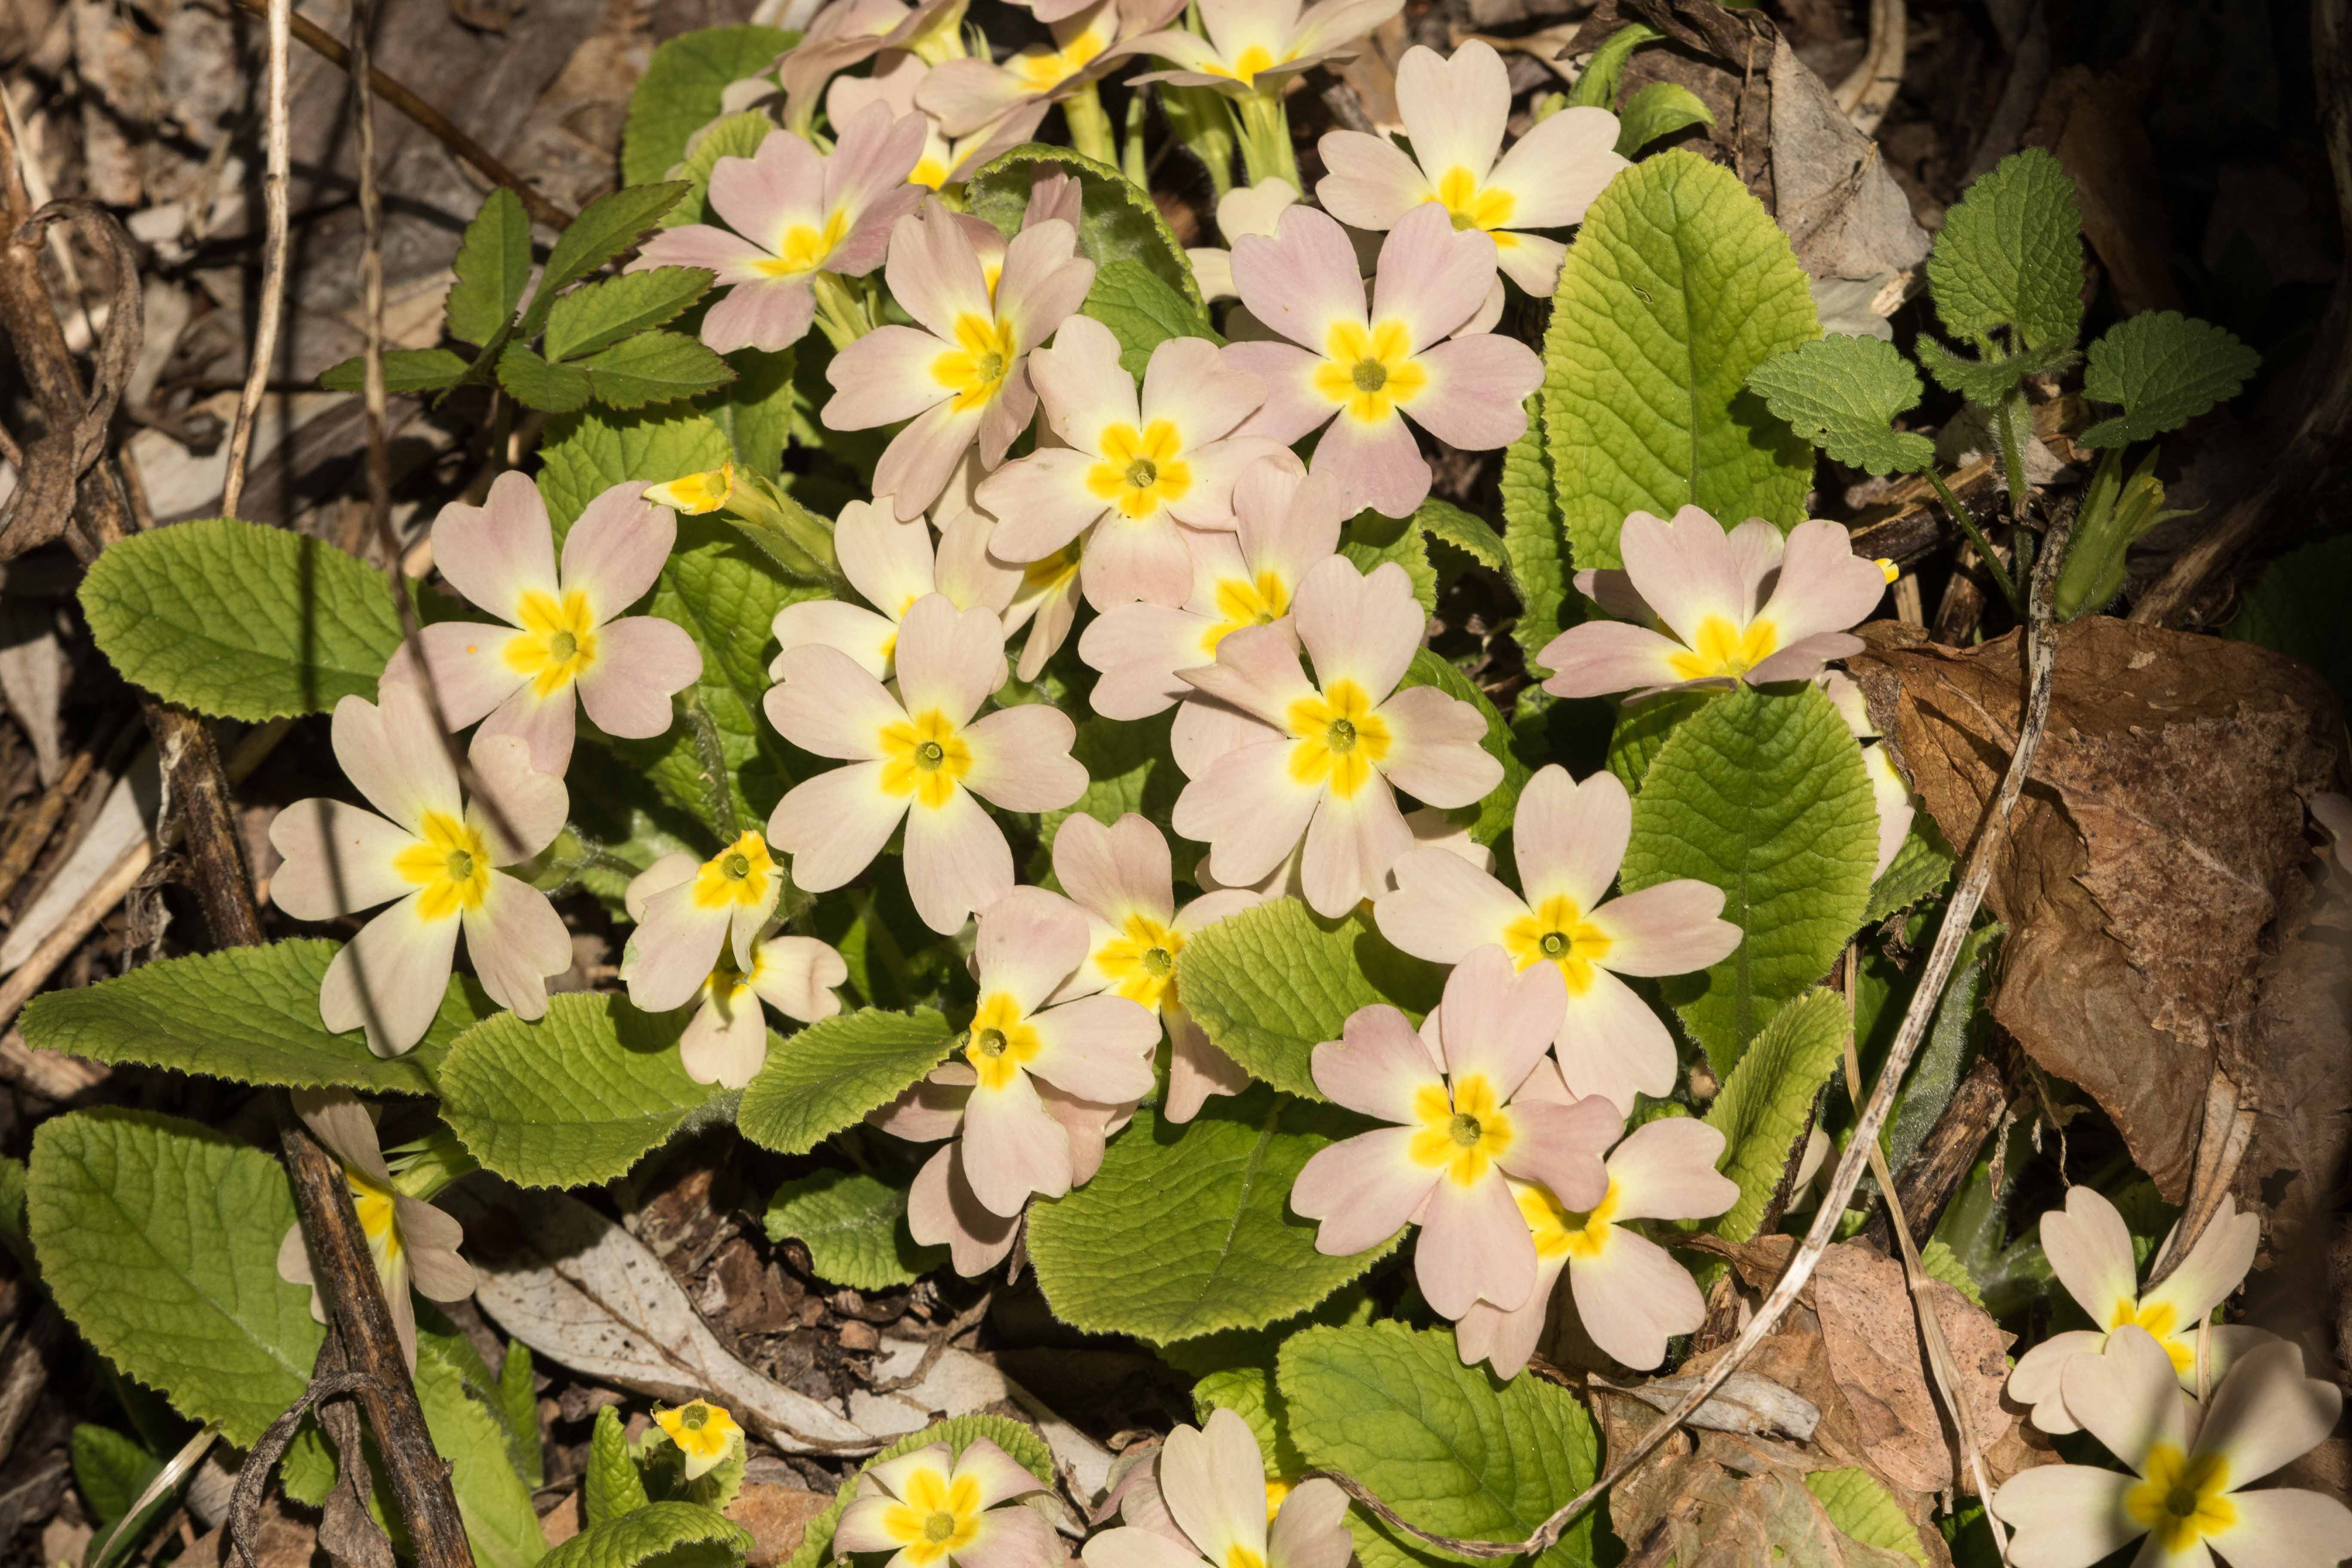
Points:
(1213, 1480)
(1126, 561)
(1000, 1476)
(1633, 1297)
(1474, 1246)
(2066, 1516)
(1041, 502)
(2129, 1398)
(1555, 171)
(1364, 1189)
(1434, 748)
(1097, 1047)
(1477, 390)
(547, 727)
(517, 940)
(1499, 1020)
(393, 752)
(2216, 1266)
(950, 660)
(726, 1042)
(796, 975)
(1612, 1044)
(1685, 570)
(1358, 626)
(1674, 927)
(672, 950)
(2090, 1250)
(1378, 1066)
(1248, 810)
(1377, 464)
(1029, 943)
(1372, 183)
(1197, 1067)
(1013, 1147)
(2284, 1527)
(499, 550)
(852, 629)
(1189, 383)
(1311, 1528)
(1292, 408)
(1443, 907)
(1128, 1546)
(1506, 1340)
(916, 466)
(957, 861)
(1350, 845)
(1137, 649)
(2265, 1413)
(1021, 757)
(517, 808)
(641, 661)
(1433, 277)
(882, 378)
(1081, 386)
(389, 979)
(337, 859)
(1665, 1170)
(1561, 1145)
(2034, 1381)
(464, 662)
(1303, 280)
(822, 702)
(835, 823)
(1600, 658)
(1824, 587)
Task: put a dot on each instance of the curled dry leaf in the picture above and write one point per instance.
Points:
(2161, 824)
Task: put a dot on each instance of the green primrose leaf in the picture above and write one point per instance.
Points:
(1445, 1444)
(1495, 810)
(518, 1406)
(959, 1433)
(613, 1486)
(1939, 1261)
(1843, 395)
(654, 368)
(1471, 534)
(536, 384)
(660, 1535)
(15, 1232)
(1642, 727)
(1763, 794)
(241, 620)
(1213, 1196)
(1920, 869)
(756, 409)
(587, 455)
(832, 1073)
(1249, 1391)
(576, 1097)
(493, 268)
(1142, 311)
(1368, 539)
(2010, 255)
(1271, 983)
(1117, 222)
(110, 1468)
(604, 229)
(682, 90)
(855, 1226)
(405, 370)
(2164, 369)
(1658, 110)
(159, 1239)
(1678, 285)
(249, 1014)
(598, 315)
(735, 136)
(1534, 538)
(492, 1501)
(1862, 1507)
(1766, 1106)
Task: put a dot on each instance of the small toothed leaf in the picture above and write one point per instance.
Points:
(536, 384)
(2164, 369)
(405, 370)
(1843, 395)
(653, 368)
(1766, 1105)
(493, 268)
(1658, 110)
(2011, 254)
(598, 315)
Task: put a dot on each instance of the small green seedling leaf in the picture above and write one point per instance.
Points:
(495, 1506)
(1766, 1106)
(1843, 395)
(599, 315)
(613, 1486)
(832, 1073)
(1658, 110)
(660, 1535)
(536, 384)
(1471, 534)
(493, 268)
(854, 1226)
(2010, 255)
(1535, 541)
(610, 225)
(653, 368)
(1597, 87)
(405, 372)
(2164, 369)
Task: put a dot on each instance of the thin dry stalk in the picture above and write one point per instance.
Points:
(273, 190)
(379, 451)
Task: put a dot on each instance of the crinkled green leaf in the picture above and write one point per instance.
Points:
(2164, 369)
(1764, 795)
(246, 1014)
(307, 1473)
(735, 136)
(2011, 254)
(1471, 534)
(1271, 983)
(1496, 808)
(587, 455)
(1987, 382)
(660, 1535)
(1843, 395)
(111, 1471)
(1142, 311)
(1862, 1507)
(1213, 1196)
(1766, 1105)
(1642, 727)
(159, 1239)
(1949, 1050)
(1534, 538)
(598, 315)
(492, 1501)
(14, 1233)
(855, 1226)
(1940, 1262)
(682, 90)
(241, 620)
(1368, 538)
(493, 268)
(832, 1073)
(959, 1433)
(1249, 1391)
(1446, 1446)
(537, 383)
(1658, 110)
(518, 1406)
(756, 409)
(1117, 221)
(405, 370)
(612, 1486)
(576, 1097)
(1678, 285)
(654, 368)
(1920, 869)
(605, 227)
(1256, 1347)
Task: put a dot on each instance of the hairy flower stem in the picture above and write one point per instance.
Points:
(1089, 123)
(1266, 152)
(840, 314)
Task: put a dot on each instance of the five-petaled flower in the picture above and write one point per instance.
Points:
(791, 214)
(898, 82)
(1258, 46)
(564, 631)
(1461, 1127)
(1454, 111)
(918, 756)
(935, 1508)
(1570, 839)
(2189, 1468)
(1129, 473)
(1206, 1499)
(1320, 757)
(962, 374)
(437, 856)
(1359, 376)
(1714, 607)
(705, 1433)
(969, 94)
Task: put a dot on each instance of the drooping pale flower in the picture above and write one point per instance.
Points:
(706, 934)
(898, 82)
(848, 32)
(1122, 878)
(564, 634)
(1214, 1505)
(1630, 1294)
(1716, 608)
(1569, 840)
(791, 214)
(1324, 757)
(1256, 46)
(1244, 209)
(1357, 376)
(1129, 473)
(1454, 111)
(436, 854)
(1889, 791)
(893, 565)
(937, 1508)
(918, 756)
(967, 94)
(705, 1433)
(1283, 523)
(2090, 1250)
(1461, 1127)
(2188, 1469)
(962, 375)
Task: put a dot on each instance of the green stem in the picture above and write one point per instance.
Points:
(839, 313)
(2013, 457)
(1968, 523)
(718, 792)
(1089, 124)
(1266, 152)
(1130, 147)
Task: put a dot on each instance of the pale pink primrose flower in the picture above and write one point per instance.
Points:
(918, 756)
(791, 214)
(2090, 1250)
(564, 632)
(1358, 377)
(893, 565)
(1454, 111)
(1213, 1505)
(1630, 1293)
(1244, 209)
(1131, 472)
(936, 1509)
(850, 32)
(1461, 1127)
(1324, 757)
(1042, 595)
(413, 1244)
(2188, 1469)
(1256, 46)
(1122, 878)
(1432, 829)
(962, 375)
(1889, 791)
(1569, 840)
(898, 82)
(1716, 608)
(433, 856)
(967, 94)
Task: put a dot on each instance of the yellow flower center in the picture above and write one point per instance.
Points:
(701, 1430)
(379, 1218)
(801, 249)
(1723, 650)
(737, 875)
(1369, 371)
(1240, 1556)
(924, 757)
(557, 644)
(1140, 472)
(1142, 961)
(1042, 70)
(929, 172)
(2159, 1319)
(1556, 930)
(1242, 602)
(2181, 1500)
(1339, 739)
(1275, 1490)
(450, 862)
(1560, 1232)
(1474, 206)
(975, 369)
(1464, 1133)
(1003, 1041)
(1244, 67)
(935, 1517)
(695, 493)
